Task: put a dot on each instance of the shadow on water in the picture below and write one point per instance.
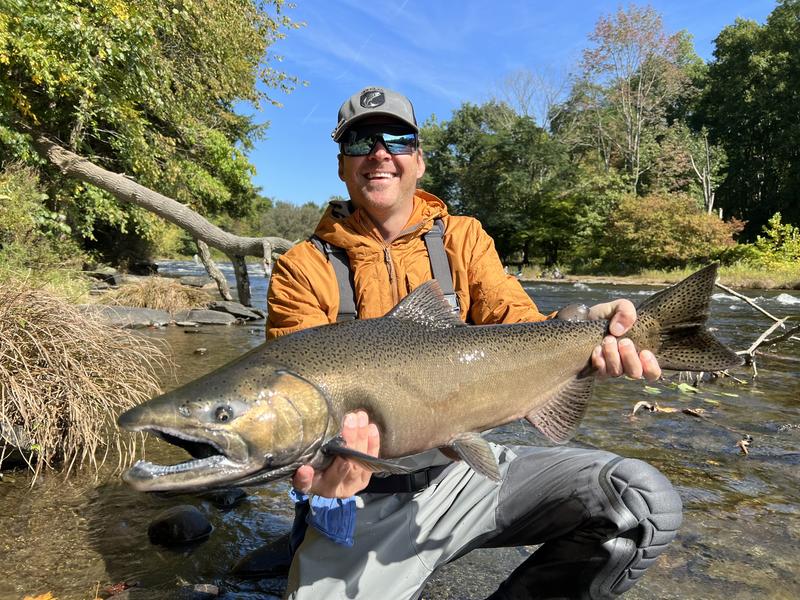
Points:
(740, 538)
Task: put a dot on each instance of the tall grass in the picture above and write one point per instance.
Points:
(64, 378)
(160, 293)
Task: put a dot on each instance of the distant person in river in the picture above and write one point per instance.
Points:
(601, 519)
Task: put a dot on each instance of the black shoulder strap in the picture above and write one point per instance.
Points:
(344, 277)
(440, 264)
(440, 268)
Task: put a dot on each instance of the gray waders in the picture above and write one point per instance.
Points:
(601, 521)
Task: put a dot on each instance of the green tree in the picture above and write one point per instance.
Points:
(146, 88)
(751, 106)
(665, 230)
(631, 75)
(490, 163)
(290, 221)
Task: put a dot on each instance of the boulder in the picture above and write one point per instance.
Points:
(179, 525)
(237, 310)
(205, 317)
(125, 316)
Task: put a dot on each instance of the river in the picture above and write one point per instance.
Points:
(740, 538)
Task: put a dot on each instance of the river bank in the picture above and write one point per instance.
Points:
(734, 277)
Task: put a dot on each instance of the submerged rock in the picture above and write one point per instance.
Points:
(178, 526)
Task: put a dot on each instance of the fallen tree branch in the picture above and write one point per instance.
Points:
(746, 299)
(125, 189)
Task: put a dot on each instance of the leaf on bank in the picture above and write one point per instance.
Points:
(45, 596)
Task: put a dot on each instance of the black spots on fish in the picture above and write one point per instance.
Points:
(223, 414)
(184, 410)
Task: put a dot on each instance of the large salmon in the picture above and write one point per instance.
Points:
(424, 377)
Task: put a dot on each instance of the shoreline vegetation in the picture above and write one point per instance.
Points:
(732, 276)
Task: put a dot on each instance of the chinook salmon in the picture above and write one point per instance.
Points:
(424, 377)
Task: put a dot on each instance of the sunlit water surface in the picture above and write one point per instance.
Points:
(740, 538)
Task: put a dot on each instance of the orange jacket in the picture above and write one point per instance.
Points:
(303, 290)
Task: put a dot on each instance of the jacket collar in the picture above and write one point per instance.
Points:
(345, 226)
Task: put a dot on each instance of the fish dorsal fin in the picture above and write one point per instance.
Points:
(559, 417)
(427, 306)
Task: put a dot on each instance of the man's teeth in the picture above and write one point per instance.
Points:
(379, 176)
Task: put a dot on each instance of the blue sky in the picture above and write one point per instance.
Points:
(440, 53)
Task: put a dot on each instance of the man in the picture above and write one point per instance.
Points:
(601, 519)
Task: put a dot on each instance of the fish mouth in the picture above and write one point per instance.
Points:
(211, 465)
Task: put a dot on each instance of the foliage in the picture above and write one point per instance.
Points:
(780, 245)
(633, 72)
(145, 88)
(751, 106)
(35, 244)
(500, 167)
(291, 221)
(665, 231)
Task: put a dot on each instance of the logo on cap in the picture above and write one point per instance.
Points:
(372, 99)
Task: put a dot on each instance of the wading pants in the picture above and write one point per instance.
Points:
(601, 519)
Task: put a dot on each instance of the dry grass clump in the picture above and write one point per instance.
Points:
(64, 378)
(160, 293)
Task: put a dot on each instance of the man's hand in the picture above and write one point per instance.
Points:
(343, 478)
(616, 357)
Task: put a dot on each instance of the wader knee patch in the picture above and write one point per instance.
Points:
(646, 499)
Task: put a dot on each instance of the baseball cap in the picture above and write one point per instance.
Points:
(371, 102)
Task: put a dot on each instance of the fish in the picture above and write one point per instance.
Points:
(424, 377)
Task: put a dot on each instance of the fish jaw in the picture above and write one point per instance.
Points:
(250, 431)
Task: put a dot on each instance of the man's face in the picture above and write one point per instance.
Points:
(381, 182)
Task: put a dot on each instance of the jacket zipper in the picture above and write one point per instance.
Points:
(387, 257)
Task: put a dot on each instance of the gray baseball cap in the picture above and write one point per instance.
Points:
(372, 102)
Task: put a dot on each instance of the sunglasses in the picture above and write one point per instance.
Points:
(396, 140)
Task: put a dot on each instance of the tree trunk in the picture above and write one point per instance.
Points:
(213, 270)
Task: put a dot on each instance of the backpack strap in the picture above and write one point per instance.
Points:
(440, 268)
(344, 277)
(440, 265)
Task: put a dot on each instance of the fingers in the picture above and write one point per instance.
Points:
(343, 477)
(303, 478)
(650, 367)
(373, 440)
(624, 315)
(616, 357)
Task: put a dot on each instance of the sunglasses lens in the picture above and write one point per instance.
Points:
(361, 143)
(358, 147)
(400, 144)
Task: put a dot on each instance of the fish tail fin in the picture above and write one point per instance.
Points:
(671, 324)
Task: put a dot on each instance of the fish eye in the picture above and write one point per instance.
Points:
(223, 413)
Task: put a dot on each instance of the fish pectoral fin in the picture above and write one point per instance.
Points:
(374, 464)
(558, 418)
(475, 451)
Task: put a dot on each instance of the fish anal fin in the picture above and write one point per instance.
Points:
(336, 447)
(559, 417)
(476, 452)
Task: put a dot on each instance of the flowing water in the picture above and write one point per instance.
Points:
(741, 532)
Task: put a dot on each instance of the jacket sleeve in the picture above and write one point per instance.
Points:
(495, 296)
(299, 294)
